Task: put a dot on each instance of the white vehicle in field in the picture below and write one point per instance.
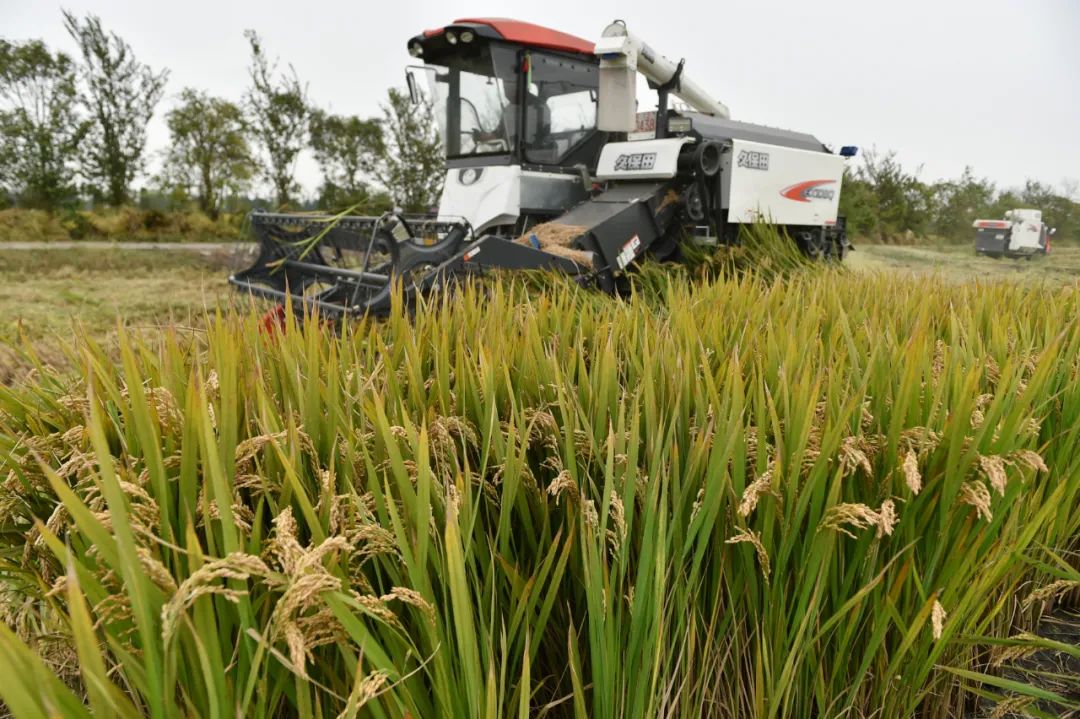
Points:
(551, 164)
(1021, 234)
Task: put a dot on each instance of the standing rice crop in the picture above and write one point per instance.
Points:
(831, 495)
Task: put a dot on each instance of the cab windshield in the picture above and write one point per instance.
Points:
(477, 103)
(473, 96)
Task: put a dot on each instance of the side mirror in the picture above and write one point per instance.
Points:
(414, 91)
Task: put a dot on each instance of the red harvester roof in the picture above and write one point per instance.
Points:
(526, 33)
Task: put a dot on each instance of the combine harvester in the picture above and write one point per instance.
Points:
(1021, 234)
(549, 165)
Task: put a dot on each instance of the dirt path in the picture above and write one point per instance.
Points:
(203, 247)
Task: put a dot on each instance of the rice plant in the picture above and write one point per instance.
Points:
(816, 495)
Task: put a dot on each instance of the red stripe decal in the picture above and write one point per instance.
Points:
(798, 191)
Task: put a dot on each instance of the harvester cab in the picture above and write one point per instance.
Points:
(550, 165)
(516, 108)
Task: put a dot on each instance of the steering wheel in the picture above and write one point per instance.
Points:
(476, 113)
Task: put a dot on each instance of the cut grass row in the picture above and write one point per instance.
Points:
(120, 225)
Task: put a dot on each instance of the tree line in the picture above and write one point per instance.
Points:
(73, 131)
(884, 201)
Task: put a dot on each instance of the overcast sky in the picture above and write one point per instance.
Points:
(994, 84)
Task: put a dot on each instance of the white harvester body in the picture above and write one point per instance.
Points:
(550, 165)
(781, 185)
(765, 174)
(1022, 233)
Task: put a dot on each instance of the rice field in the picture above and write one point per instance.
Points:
(793, 492)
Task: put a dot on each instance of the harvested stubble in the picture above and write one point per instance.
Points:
(754, 499)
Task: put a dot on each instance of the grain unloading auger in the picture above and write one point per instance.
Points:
(549, 165)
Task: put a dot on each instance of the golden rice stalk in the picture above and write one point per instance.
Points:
(313, 558)
(698, 502)
(1015, 705)
(853, 455)
(1030, 458)
(115, 608)
(752, 440)
(377, 608)
(77, 437)
(592, 518)
(412, 598)
(887, 518)
(977, 495)
(246, 450)
(938, 366)
(327, 485)
(583, 444)
(453, 497)
(1050, 592)
(1000, 655)
(364, 691)
(993, 371)
(921, 440)
(858, 516)
(993, 466)
(156, 571)
(912, 478)
(564, 483)
(618, 518)
(303, 593)
(167, 410)
(283, 545)
(541, 424)
(76, 403)
(202, 582)
(754, 490)
(749, 535)
(938, 615)
(866, 418)
(292, 622)
(242, 515)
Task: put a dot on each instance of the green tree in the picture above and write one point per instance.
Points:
(347, 149)
(960, 202)
(120, 94)
(279, 114)
(410, 164)
(857, 203)
(209, 155)
(1059, 209)
(40, 126)
(900, 203)
(1004, 201)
